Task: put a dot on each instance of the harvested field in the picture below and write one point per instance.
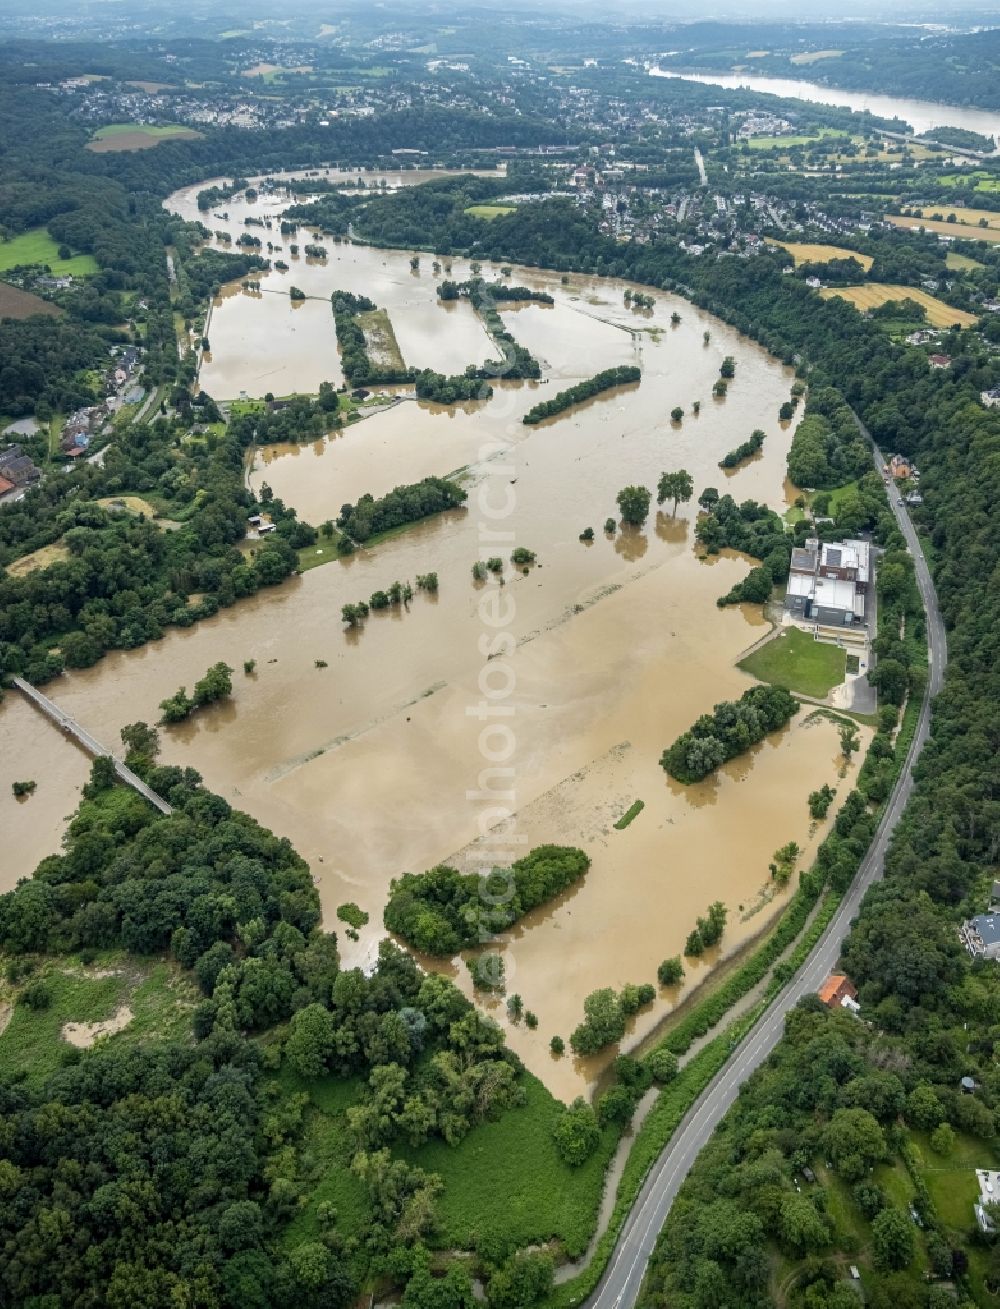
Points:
(15, 303)
(271, 70)
(807, 253)
(967, 217)
(874, 294)
(961, 231)
(42, 558)
(380, 339)
(132, 504)
(812, 56)
(137, 136)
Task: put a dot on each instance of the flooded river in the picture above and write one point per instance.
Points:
(923, 116)
(414, 746)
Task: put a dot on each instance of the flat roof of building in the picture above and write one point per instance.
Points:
(800, 584)
(832, 593)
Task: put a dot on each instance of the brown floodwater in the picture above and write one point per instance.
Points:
(483, 721)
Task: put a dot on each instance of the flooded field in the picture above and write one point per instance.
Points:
(484, 721)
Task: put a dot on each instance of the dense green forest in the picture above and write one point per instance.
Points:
(442, 911)
(730, 729)
(164, 1171)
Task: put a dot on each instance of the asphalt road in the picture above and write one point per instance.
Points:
(619, 1287)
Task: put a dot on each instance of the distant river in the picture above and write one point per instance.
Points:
(922, 115)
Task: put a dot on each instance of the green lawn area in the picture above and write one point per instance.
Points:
(507, 1176)
(798, 663)
(147, 129)
(951, 1179)
(961, 263)
(490, 211)
(38, 247)
(772, 142)
(160, 1000)
(323, 552)
(838, 494)
(504, 1175)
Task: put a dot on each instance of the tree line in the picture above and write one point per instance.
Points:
(574, 395)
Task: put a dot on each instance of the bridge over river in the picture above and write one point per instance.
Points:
(89, 743)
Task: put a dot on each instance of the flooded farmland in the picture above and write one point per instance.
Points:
(379, 763)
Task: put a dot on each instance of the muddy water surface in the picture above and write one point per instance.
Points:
(376, 764)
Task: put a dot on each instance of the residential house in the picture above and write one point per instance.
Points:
(17, 468)
(838, 992)
(939, 361)
(981, 936)
(989, 1196)
(899, 468)
(990, 398)
(828, 582)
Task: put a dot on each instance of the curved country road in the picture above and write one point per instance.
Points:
(619, 1287)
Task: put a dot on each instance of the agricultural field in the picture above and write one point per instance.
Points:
(38, 247)
(137, 136)
(489, 211)
(272, 72)
(807, 253)
(812, 56)
(964, 217)
(954, 230)
(15, 303)
(874, 294)
(380, 339)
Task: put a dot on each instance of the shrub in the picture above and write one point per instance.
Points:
(670, 971)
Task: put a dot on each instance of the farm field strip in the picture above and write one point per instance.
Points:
(874, 294)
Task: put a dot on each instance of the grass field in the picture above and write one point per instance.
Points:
(37, 247)
(961, 263)
(951, 1179)
(381, 339)
(959, 231)
(137, 136)
(873, 294)
(786, 142)
(983, 181)
(490, 211)
(133, 504)
(504, 1176)
(44, 557)
(159, 998)
(806, 253)
(323, 552)
(798, 663)
(15, 303)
